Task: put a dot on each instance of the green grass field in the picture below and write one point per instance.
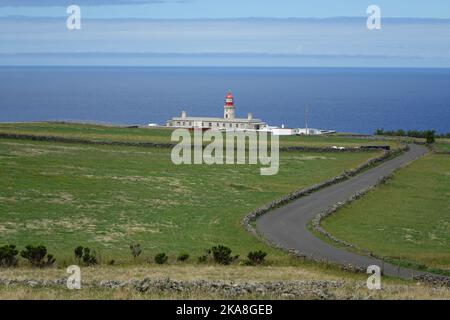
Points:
(105, 133)
(408, 218)
(106, 197)
(442, 145)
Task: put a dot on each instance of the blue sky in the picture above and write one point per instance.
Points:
(226, 33)
(175, 9)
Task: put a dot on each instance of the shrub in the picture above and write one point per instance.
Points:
(222, 255)
(78, 253)
(256, 257)
(8, 256)
(204, 258)
(84, 256)
(135, 250)
(161, 258)
(36, 256)
(183, 257)
(430, 136)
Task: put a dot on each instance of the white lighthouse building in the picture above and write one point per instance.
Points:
(228, 122)
(229, 108)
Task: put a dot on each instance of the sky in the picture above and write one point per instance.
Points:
(213, 9)
(226, 33)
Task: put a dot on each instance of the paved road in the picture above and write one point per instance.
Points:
(287, 225)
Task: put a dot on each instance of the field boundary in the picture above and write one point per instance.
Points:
(44, 138)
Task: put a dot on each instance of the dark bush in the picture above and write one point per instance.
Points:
(161, 258)
(430, 136)
(222, 255)
(135, 250)
(78, 253)
(256, 257)
(36, 256)
(8, 256)
(183, 257)
(84, 256)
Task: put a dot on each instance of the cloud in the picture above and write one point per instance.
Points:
(64, 3)
(213, 42)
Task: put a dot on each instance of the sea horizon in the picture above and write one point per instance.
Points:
(337, 98)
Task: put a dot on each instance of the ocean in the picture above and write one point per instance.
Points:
(346, 100)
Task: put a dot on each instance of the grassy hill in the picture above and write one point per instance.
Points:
(106, 197)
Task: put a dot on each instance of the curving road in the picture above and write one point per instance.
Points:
(287, 225)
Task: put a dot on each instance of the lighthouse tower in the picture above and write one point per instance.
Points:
(230, 110)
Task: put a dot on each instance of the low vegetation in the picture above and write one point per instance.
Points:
(161, 258)
(256, 257)
(135, 250)
(85, 256)
(429, 136)
(37, 256)
(222, 255)
(183, 257)
(8, 256)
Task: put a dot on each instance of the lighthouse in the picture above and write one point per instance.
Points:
(229, 122)
(229, 108)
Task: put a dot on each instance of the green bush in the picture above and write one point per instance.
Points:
(161, 258)
(205, 257)
(183, 257)
(8, 256)
(78, 253)
(84, 256)
(222, 255)
(430, 136)
(36, 256)
(256, 257)
(135, 250)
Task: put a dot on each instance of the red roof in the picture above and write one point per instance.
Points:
(229, 100)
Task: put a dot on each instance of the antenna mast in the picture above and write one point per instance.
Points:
(306, 120)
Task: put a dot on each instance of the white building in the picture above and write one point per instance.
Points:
(228, 122)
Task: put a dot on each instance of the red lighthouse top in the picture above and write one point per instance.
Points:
(229, 100)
